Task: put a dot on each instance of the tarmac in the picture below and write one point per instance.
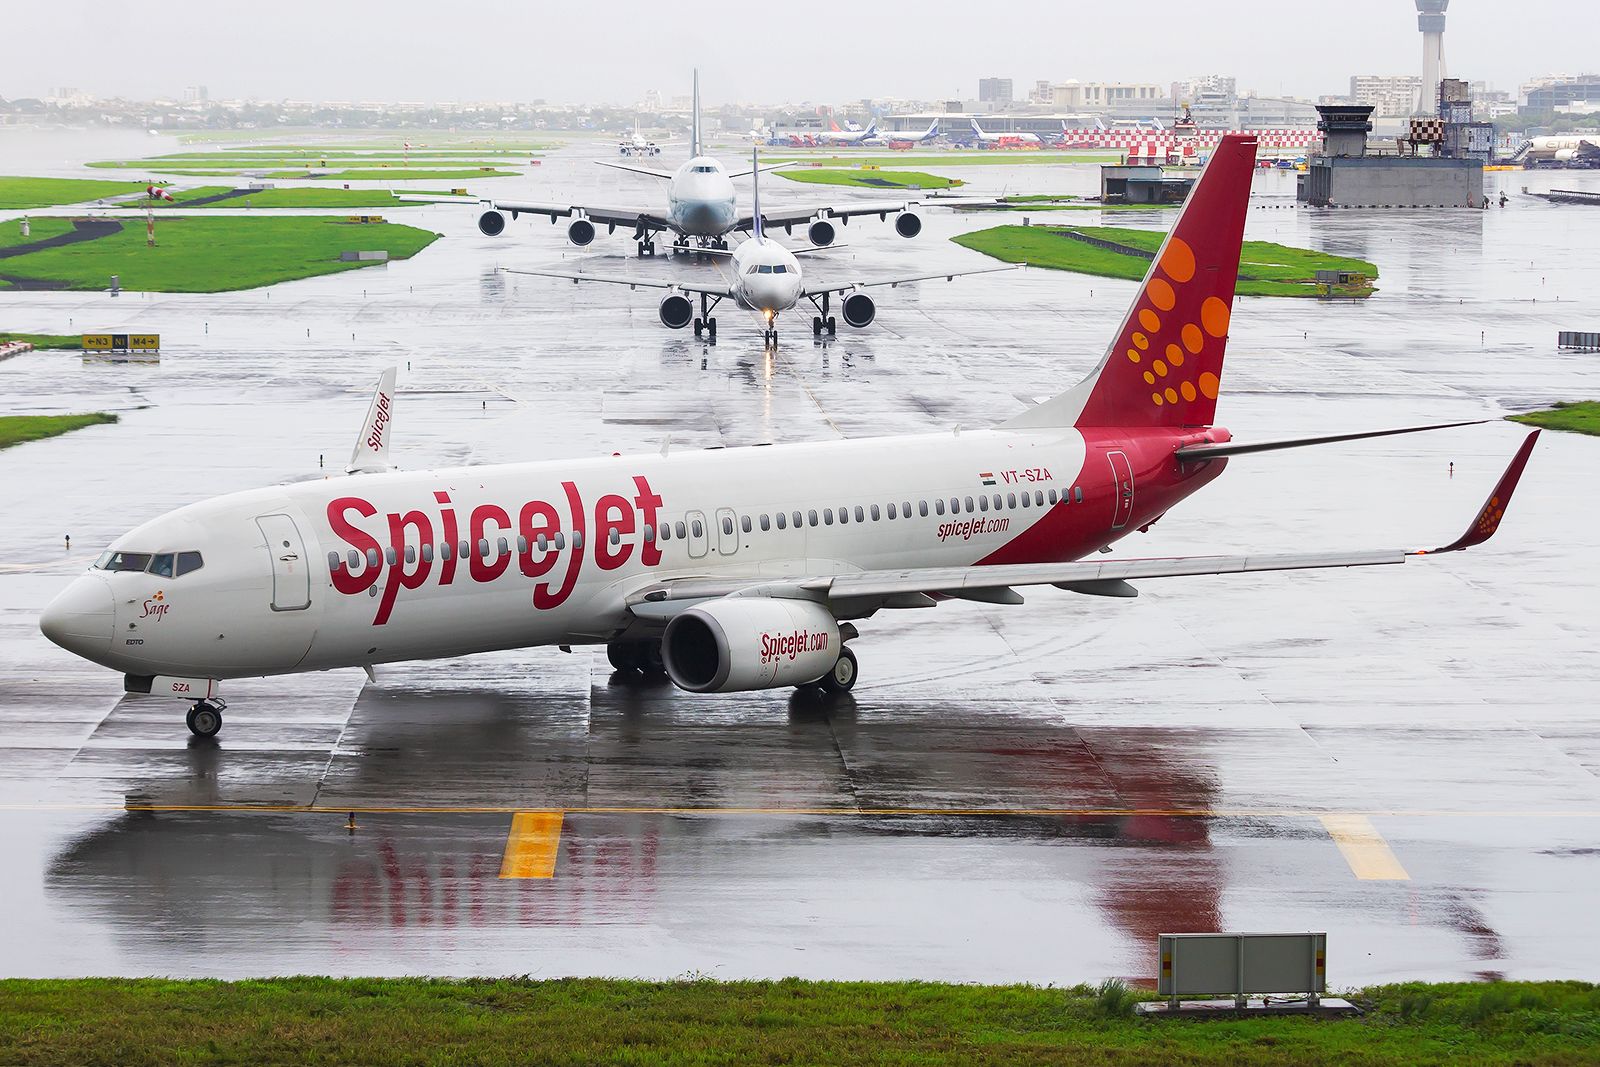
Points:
(1405, 758)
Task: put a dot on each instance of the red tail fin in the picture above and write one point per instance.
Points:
(1165, 366)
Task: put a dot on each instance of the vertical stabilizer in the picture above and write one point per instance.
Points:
(755, 193)
(694, 120)
(1164, 367)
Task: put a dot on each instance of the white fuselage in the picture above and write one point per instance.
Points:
(766, 277)
(700, 199)
(365, 569)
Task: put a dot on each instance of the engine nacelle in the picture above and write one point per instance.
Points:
(907, 224)
(491, 223)
(744, 643)
(676, 310)
(1565, 155)
(580, 232)
(821, 233)
(859, 310)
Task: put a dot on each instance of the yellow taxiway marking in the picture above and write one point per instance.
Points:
(1365, 850)
(532, 845)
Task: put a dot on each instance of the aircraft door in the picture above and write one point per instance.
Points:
(291, 571)
(727, 531)
(1122, 489)
(699, 540)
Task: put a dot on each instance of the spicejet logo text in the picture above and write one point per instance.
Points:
(380, 422)
(537, 523)
(792, 645)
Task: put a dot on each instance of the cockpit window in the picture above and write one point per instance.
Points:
(705, 170)
(161, 565)
(766, 268)
(780, 268)
(754, 268)
(124, 561)
(189, 561)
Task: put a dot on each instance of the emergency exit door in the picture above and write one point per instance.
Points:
(291, 574)
(1122, 489)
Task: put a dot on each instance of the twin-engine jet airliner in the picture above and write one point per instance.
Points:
(701, 208)
(731, 570)
(765, 278)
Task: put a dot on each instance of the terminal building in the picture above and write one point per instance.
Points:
(1347, 174)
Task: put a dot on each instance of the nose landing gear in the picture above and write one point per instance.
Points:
(205, 717)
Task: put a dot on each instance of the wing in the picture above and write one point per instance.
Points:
(818, 290)
(747, 171)
(634, 168)
(631, 283)
(604, 216)
(862, 592)
(787, 217)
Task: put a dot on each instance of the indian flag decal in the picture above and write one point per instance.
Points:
(987, 476)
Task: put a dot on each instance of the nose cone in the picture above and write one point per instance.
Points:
(80, 618)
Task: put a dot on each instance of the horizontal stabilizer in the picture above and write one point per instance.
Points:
(1190, 453)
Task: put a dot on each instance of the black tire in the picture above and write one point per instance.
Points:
(711, 328)
(204, 719)
(699, 324)
(833, 325)
(842, 678)
(651, 661)
(816, 325)
(624, 655)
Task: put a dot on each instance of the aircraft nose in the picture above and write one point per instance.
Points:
(79, 619)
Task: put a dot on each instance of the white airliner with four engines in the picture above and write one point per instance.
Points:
(732, 570)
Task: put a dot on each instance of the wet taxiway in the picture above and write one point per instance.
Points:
(1406, 758)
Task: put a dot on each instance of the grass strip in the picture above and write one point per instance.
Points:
(950, 159)
(18, 193)
(1265, 269)
(872, 179)
(215, 254)
(284, 198)
(20, 429)
(44, 341)
(586, 1021)
(1582, 416)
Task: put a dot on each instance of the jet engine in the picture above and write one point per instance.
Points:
(859, 310)
(491, 223)
(738, 644)
(580, 232)
(676, 311)
(907, 224)
(821, 233)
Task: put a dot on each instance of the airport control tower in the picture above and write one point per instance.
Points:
(1430, 20)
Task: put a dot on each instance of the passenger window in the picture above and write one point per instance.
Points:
(844, 515)
(649, 534)
(983, 503)
(699, 528)
(997, 501)
(411, 553)
(373, 558)
(463, 550)
(427, 549)
(727, 525)
(666, 531)
(541, 542)
(333, 562)
(782, 521)
(922, 507)
(795, 518)
(861, 515)
(938, 506)
(766, 522)
(875, 512)
(1011, 500)
(812, 515)
(1026, 500)
(1038, 497)
(614, 537)
(969, 505)
(161, 565)
(561, 540)
(483, 548)
(447, 550)
(744, 523)
(389, 554)
(1077, 493)
(827, 516)
(577, 539)
(353, 560)
(1052, 496)
(892, 513)
(682, 532)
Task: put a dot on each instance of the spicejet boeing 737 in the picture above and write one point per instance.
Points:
(731, 570)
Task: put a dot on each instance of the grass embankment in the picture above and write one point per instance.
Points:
(994, 158)
(18, 193)
(44, 341)
(305, 1020)
(1582, 416)
(212, 255)
(872, 179)
(20, 429)
(285, 198)
(1059, 202)
(399, 174)
(1265, 269)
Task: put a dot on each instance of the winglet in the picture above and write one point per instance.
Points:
(371, 453)
(1488, 518)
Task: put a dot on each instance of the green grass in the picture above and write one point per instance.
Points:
(213, 255)
(398, 174)
(491, 1022)
(20, 429)
(52, 192)
(871, 179)
(286, 198)
(44, 341)
(1265, 269)
(948, 159)
(1578, 417)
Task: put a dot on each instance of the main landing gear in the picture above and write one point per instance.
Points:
(822, 320)
(705, 323)
(205, 717)
(647, 247)
(629, 656)
(842, 678)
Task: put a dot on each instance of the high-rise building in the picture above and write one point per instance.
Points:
(994, 90)
(1389, 95)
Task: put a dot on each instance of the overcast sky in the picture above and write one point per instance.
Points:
(759, 51)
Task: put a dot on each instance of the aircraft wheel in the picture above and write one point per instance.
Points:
(833, 325)
(711, 328)
(816, 325)
(652, 663)
(842, 678)
(699, 325)
(204, 718)
(624, 655)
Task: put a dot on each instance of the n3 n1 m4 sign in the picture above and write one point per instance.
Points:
(121, 342)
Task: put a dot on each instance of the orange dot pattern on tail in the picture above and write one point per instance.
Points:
(1178, 340)
(1489, 518)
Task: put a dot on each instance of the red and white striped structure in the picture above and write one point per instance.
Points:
(1129, 139)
